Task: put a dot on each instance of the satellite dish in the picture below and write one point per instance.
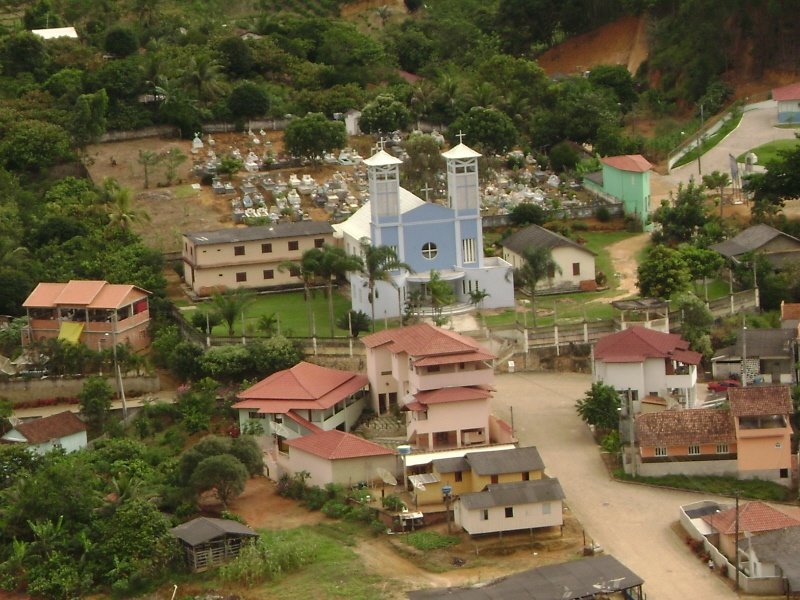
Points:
(386, 476)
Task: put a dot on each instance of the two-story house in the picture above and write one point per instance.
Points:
(97, 314)
(249, 257)
(441, 379)
(648, 363)
(763, 431)
(751, 439)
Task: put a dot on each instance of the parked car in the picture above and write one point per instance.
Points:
(721, 386)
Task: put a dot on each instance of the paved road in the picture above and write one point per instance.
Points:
(757, 127)
(631, 522)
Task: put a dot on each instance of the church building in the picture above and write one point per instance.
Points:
(427, 237)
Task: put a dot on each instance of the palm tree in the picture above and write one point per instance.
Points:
(121, 213)
(148, 158)
(379, 262)
(333, 265)
(306, 269)
(230, 304)
(441, 295)
(204, 76)
(538, 264)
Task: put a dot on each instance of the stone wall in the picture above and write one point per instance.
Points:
(62, 387)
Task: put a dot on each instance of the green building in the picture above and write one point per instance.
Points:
(625, 178)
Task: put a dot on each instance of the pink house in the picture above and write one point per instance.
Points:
(441, 380)
(97, 314)
(763, 431)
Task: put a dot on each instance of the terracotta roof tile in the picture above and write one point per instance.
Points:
(760, 400)
(452, 394)
(49, 428)
(787, 92)
(92, 294)
(753, 517)
(303, 386)
(684, 427)
(637, 343)
(628, 162)
(337, 445)
(422, 340)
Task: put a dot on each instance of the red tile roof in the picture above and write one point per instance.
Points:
(760, 400)
(337, 445)
(685, 427)
(636, 344)
(49, 428)
(790, 311)
(628, 162)
(753, 517)
(425, 340)
(304, 386)
(787, 92)
(92, 294)
(452, 394)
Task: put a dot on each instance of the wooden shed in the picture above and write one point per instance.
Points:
(208, 542)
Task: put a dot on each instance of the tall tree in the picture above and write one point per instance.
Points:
(95, 401)
(224, 473)
(537, 265)
(203, 75)
(121, 213)
(683, 216)
(663, 273)
(379, 262)
(600, 406)
(440, 295)
(148, 159)
(772, 188)
(313, 135)
(717, 181)
(306, 269)
(333, 265)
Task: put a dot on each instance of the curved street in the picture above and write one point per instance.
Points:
(633, 523)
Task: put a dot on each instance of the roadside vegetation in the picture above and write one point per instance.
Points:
(752, 489)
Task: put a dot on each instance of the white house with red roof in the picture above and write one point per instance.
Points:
(97, 314)
(788, 99)
(337, 457)
(442, 381)
(63, 430)
(626, 178)
(649, 363)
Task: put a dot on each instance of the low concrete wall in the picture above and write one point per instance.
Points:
(57, 387)
(699, 467)
(138, 134)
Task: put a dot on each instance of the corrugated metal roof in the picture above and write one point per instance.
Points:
(424, 458)
(515, 460)
(749, 240)
(514, 494)
(534, 236)
(262, 232)
(203, 529)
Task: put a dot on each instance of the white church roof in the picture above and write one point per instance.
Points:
(461, 152)
(382, 159)
(358, 225)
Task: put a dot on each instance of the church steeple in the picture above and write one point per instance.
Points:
(383, 173)
(462, 179)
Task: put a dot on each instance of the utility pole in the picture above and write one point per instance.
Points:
(700, 142)
(744, 353)
(631, 431)
(737, 541)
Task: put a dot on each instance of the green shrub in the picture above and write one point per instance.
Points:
(360, 513)
(393, 502)
(430, 540)
(315, 498)
(602, 214)
(580, 226)
(335, 509)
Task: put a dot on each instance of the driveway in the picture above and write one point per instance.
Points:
(633, 523)
(756, 127)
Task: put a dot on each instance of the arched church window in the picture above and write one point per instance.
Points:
(429, 250)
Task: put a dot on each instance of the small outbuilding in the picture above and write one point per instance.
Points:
(208, 542)
(63, 430)
(788, 99)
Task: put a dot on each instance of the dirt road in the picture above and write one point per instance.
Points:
(623, 256)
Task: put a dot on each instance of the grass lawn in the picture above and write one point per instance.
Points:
(292, 313)
(727, 486)
(769, 151)
(710, 141)
(574, 307)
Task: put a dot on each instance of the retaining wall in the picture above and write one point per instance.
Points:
(63, 387)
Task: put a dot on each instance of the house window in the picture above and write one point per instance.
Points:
(694, 450)
(266, 248)
(434, 369)
(546, 508)
(238, 250)
(722, 448)
(294, 271)
(778, 444)
(485, 514)
(294, 245)
(240, 277)
(784, 473)
(468, 248)
(269, 274)
(494, 479)
(526, 476)
(256, 415)
(319, 243)
(429, 251)
(459, 477)
(661, 451)
(389, 372)
(576, 268)
(509, 512)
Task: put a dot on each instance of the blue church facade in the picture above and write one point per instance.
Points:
(426, 236)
